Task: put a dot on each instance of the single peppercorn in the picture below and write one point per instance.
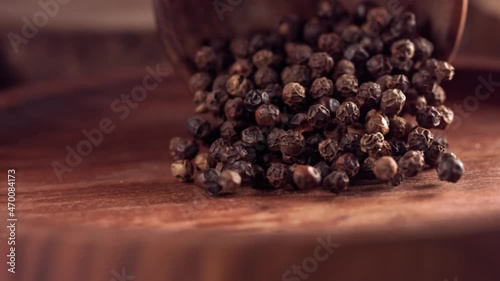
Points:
(420, 139)
(201, 162)
(216, 100)
(436, 97)
(450, 168)
(415, 104)
(349, 164)
(263, 58)
(318, 116)
(347, 85)
(369, 95)
(298, 53)
(444, 71)
(274, 139)
(423, 81)
(379, 65)
(255, 98)
(265, 76)
(198, 127)
(412, 163)
(230, 130)
(296, 73)
(403, 49)
(230, 181)
(379, 15)
(392, 102)
(253, 135)
(292, 143)
(433, 153)
(330, 43)
(294, 94)
(200, 81)
(400, 82)
(336, 182)
(182, 170)
(370, 143)
(330, 103)
(385, 150)
(205, 58)
(321, 87)
(243, 67)
(397, 127)
(199, 100)
(423, 48)
(447, 117)
(267, 115)
(231, 154)
(279, 175)
(429, 117)
(385, 168)
(209, 180)
(348, 113)
(238, 86)
(300, 122)
(233, 108)
(344, 67)
(306, 177)
(330, 150)
(377, 123)
(321, 63)
(245, 170)
(181, 148)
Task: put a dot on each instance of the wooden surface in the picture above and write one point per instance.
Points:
(120, 206)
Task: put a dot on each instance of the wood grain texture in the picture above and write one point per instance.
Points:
(121, 208)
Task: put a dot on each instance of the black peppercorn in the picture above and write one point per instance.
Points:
(245, 170)
(299, 122)
(233, 108)
(392, 102)
(356, 53)
(238, 86)
(263, 58)
(447, 116)
(216, 100)
(397, 127)
(181, 148)
(321, 64)
(243, 67)
(253, 135)
(254, 99)
(385, 150)
(318, 116)
(433, 153)
(349, 164)
(347, 85)
(379, 15)
(399, 82)
(230, 130)
(292, 143)
(265, 76)
(208, 180)
(423, 48)
(240, 47)
(420, 139)
(330, 43)
(231, 154)
(321, 87)
(294, 94)
(368, 165)
(274, 139)
(274, 92)
(369, 94)
(450, 168)
(415, 104)
(348, 113)
(352, 34)
(404, 24)
(379, 65)
(377, 123)
(296, 73)
(330, 103)
(403, 49)
(336, 182)
(329, 149)
(385, 168)
(198, 127)
(344, 67)
(306, 177)
(323, 168)
(436, 97)
(298, 53)
(200, 81)
(423, 81)
(312, 30)
(279, 175)
(370, 143)
(429, 117)
(412, 163)
(267, 115)
(205, 59)
(182, 170)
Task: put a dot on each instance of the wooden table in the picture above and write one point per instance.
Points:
(120, 209)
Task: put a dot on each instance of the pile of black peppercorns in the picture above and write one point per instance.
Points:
(324, 102)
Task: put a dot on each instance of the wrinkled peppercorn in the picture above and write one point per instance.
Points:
(181, 148)
(349, 164)
(238, 86)
(274, 139)
(433, 153)
(329, 149)
(370, 143)
(182, 170)
(344, 67)
(233, 108)
(377, 123)
(245, 170)
(397, 127)
(331, 104)
(253, 135)
(318, 116)
(369, 94)
(379, 65)
(263, 58)
(198, 127)
(231, 154)
(294, 94)
(292, 143)
(298, 53)
(265, 76)
(296, 73)
(447, 117)
(412, 163)
(336, 182)
(300, 123)
(267, 115)
(279, 175)
(208, 180)
(423, 48)
(420, 139)
(200, 81)
(330, 43)
(429, 117)
(403, 49)
(450, 168)
(306, 177)
(385, 168)
(321, 64)
(436, 96)
(321, 87)
(243, 67)
(230, 130)
(255, 98)
(348, 113)
(392, 102)
(347, 85)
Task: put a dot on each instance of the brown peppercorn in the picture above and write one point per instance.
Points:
(265, 76)
(292, 143)
(433, 153)
(450, 168)
(403, 49)
(230, 181)
(437, 96)
(348, 113)
(397, 127)
(243, 67)
(267, 115)
(205, 59)
(392, 102)
(306, 177)
(369, 95)
(230, 130)
(330, 43)
(233, 108)
(368, 165)
(274, 92)
(318, 116)
(370, 143)
(344, 67)
(400, 82)
(274, 139)
(323, 168)
(321, 87)
(349, 164)
(200, 81)
(444, 71)
(198, 127)
(296, 73)
(209, 180)
(404, 24)
(294, 94)
(330, 103)
(181, 148)
(253, 135)
(429, 117)
(347, 85)
(402, 66)
(423, 81)
(321, 63)
(379, 15)
(379, 65)
(336, 182)
(220, 82)
(386, 150)
(263, 58)
(412, 163)
(377, 123)
(356, 53)
(415, 104)
(447, 117)
(423, 48)
(279, 175)
(199, 99)
(330, 150)
(238, 86)
(300, 122)
(245, 170)
(231, 154)
(385, 168)
(254, 99)
(420, 139)
(201, 162)
(182, 170)
(216, 100)
(298, 53)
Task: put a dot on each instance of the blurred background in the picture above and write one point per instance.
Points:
(92, 37)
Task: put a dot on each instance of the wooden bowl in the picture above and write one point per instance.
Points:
(184, 24)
